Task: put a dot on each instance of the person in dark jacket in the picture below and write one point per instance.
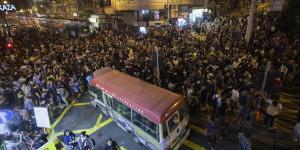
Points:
(111, 145)
(69, 140)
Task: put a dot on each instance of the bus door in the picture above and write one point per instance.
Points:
(108, 100)
(174, 129)
(96, 97)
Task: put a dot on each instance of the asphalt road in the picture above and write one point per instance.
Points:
(83, 117)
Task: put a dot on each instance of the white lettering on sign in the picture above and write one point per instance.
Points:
(7, 7)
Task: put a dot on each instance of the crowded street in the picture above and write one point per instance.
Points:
(240, 94)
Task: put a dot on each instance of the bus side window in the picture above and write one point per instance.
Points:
(145, 124)
(121, 109)
(99, 95)
(97, 92)
(108, 100)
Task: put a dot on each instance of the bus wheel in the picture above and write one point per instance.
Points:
(150, 146)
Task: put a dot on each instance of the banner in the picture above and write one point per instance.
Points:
(42, 117)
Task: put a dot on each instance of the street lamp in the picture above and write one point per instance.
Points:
(5, 2)
(250, 21)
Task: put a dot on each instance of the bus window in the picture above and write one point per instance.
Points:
(97, 92)
(121, 109)
(183, 112)
(145, 124)
(108, 100)
(165, 130)
(173, 122)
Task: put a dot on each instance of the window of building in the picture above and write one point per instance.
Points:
(145, 124)
(121, 109)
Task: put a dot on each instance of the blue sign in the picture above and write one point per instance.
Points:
(5, 116)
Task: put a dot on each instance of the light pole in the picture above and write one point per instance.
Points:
(157, 65)
(250, 21)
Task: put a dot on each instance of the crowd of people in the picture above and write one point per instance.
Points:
(222, 75)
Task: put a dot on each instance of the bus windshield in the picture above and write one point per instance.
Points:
(183, 112)
(173, 122)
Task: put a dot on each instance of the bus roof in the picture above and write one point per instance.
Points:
(155, 103)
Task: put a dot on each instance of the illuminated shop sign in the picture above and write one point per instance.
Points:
(7, 7)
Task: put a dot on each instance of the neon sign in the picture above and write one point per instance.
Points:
(7, 7)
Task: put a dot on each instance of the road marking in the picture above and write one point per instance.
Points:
(99, 119)
(66, 110)
(193, 145)
(197, 129)
(81, 104)
(53, 136)
(60, 117)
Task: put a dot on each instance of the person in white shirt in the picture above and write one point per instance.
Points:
(234, 99)
(273, 111)
(26, 88)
